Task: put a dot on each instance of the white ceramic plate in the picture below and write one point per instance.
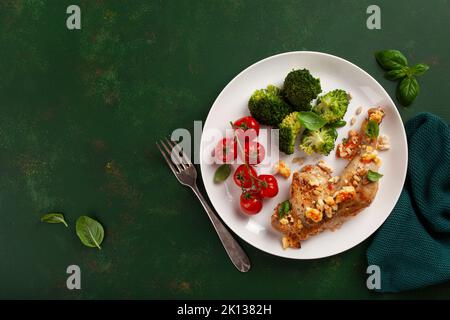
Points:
(334, 73)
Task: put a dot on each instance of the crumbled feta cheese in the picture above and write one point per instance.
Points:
(346, 193)
(329, 201)
(383, 142)
(314, 214)
(283, 169)
(369, 155)
(334, 179)
(376, 115)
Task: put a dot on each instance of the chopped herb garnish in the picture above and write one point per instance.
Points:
(373, 176)
(284, 209)
(372, 129)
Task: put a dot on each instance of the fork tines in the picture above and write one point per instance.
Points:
(174, 156)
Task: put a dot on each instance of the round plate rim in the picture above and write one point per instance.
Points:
(396, 112)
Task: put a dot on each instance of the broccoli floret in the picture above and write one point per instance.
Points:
(332, 106)
(300, 88)
(268, 107)
(289, 129)
(319, 141)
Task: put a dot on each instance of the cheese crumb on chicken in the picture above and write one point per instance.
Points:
(346, 193)
(282, 169)
(376, 115)
(314, 214)
(369, 155)
(383, 143)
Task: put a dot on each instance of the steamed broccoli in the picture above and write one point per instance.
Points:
(300, 88)
(268, 107)
(319, 141)
(289, 129)
(332, 106)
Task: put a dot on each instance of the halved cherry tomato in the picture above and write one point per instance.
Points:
(251, 202)
(254, 152)
(242, 176)
(247, 123)
(268, 186)
(226, 150)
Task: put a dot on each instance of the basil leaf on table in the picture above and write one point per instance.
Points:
(372, 129)
(54, 218)
(391, 59)
(284, 208)
(222, 173)
(373, 176)
(407, 90)
(396, 73)
(90, 232)
(310, 120)
(419, 69)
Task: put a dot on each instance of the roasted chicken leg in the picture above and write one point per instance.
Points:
(320, 201)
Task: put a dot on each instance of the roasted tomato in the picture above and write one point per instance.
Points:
(247, 123)
(243, 176)
(254, 152)
(251, 203)
(226, 150)
(268, 186)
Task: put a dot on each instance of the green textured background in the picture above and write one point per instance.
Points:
(80, 112)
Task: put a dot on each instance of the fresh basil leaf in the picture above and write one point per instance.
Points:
(373, 176)
(396, 73)
(338, 124)
(310, 120)
(90, 232)
(419, 69)
(284, 209)
(407, 90)
(391, 59)
(222, 173)
(372, 129)
(335, 133)
(54, 218)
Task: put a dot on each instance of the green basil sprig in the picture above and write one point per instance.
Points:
(310, 120)
(222, 173)
(373, 176)
(391, 59)
(54, 218)
(372, 129)
(338, 124)
(407, 90)
(90, 232)
(284, 208)
(396, 65)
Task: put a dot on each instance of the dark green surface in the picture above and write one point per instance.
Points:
(80, 112)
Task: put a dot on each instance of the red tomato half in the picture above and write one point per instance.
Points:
(268, 186)
(242, 176)
(247, 123)
(226, 150)
(254, 152)
(251, 203)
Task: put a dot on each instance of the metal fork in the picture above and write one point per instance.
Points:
(186, 174)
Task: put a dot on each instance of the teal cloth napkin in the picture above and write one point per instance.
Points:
(412, 248)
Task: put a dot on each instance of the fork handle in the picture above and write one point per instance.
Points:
(232, 247)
